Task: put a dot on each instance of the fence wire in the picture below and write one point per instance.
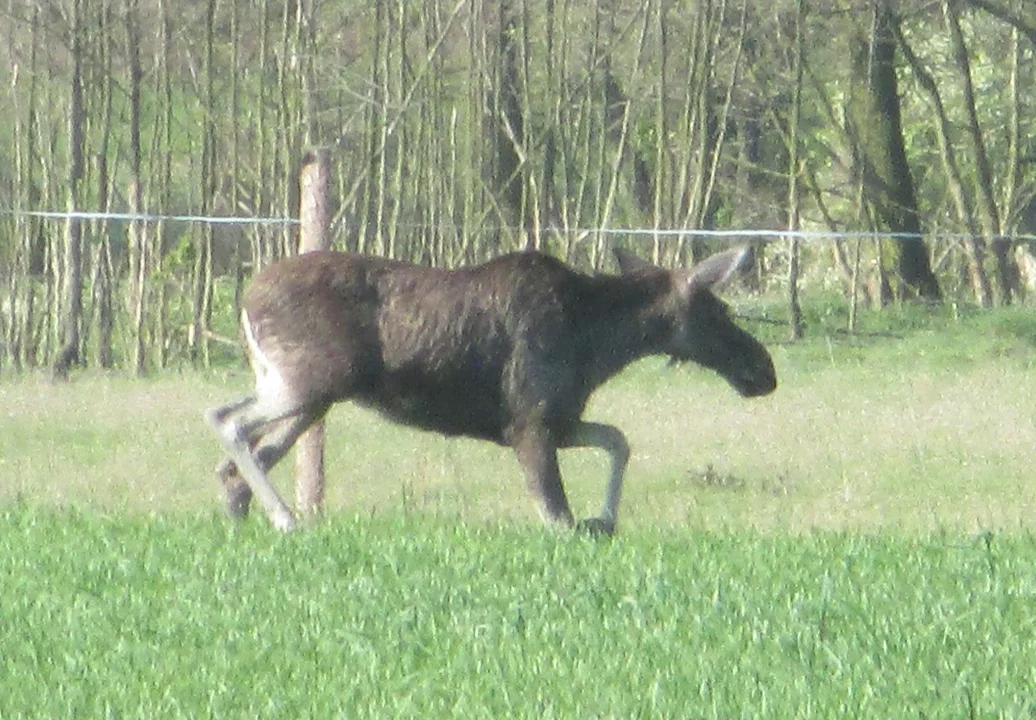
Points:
(745, 233)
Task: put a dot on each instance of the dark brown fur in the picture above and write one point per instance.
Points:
(509, 351)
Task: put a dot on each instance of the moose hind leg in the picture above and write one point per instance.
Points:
(235, 424)
(268, 450)
(237, 493)
(610, 439)
(538, 458)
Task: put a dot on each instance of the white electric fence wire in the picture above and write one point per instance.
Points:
(582, 232)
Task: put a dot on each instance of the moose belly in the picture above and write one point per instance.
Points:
(470, 411)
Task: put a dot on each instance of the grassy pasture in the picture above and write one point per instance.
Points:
(859, 544)
(421, 617)
(927, 430)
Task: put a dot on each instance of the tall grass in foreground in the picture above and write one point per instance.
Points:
(393, 617)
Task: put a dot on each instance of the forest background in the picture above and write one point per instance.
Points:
(904, 131)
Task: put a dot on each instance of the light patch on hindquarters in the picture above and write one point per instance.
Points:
(269, 382)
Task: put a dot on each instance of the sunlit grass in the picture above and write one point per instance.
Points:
(859, 544)
(394, 617)
(911, 433)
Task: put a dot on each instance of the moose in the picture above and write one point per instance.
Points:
(508, 351)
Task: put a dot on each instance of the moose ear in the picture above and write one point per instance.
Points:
(716, 271)
(630, 263)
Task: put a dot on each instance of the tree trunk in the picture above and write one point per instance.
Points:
(314, 217)
(507, 119)
(71, 314)
(875, 128)
(395, 190)
(989, 214)
(972, 244)
(28, 230)
(201, 306)
(704, 122)
(618, 118)
(164, 143)
(138, 241)
(794, 171)
(104, 272)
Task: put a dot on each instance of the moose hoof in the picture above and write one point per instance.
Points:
(284, 521)
(238, 500)
(597, 527)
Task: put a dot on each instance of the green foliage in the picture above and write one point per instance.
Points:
(403, 618)
(409, 98)
(952, 331)
(989, 48)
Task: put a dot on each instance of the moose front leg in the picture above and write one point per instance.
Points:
(538, 457)
(610, 439)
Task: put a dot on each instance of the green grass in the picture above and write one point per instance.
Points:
(859, 544)
(417, 617)
(909, 431)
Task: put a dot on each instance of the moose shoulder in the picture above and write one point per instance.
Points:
(509, 351)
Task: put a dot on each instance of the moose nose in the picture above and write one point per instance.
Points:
(764, 387)
(760, 380)
(765, 381)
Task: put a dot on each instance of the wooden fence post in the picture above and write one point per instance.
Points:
(314, 231)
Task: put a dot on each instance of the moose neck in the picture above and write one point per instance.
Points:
(630, 319)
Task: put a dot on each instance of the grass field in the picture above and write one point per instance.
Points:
(858, 544)
(926, 430)
(417, 618)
